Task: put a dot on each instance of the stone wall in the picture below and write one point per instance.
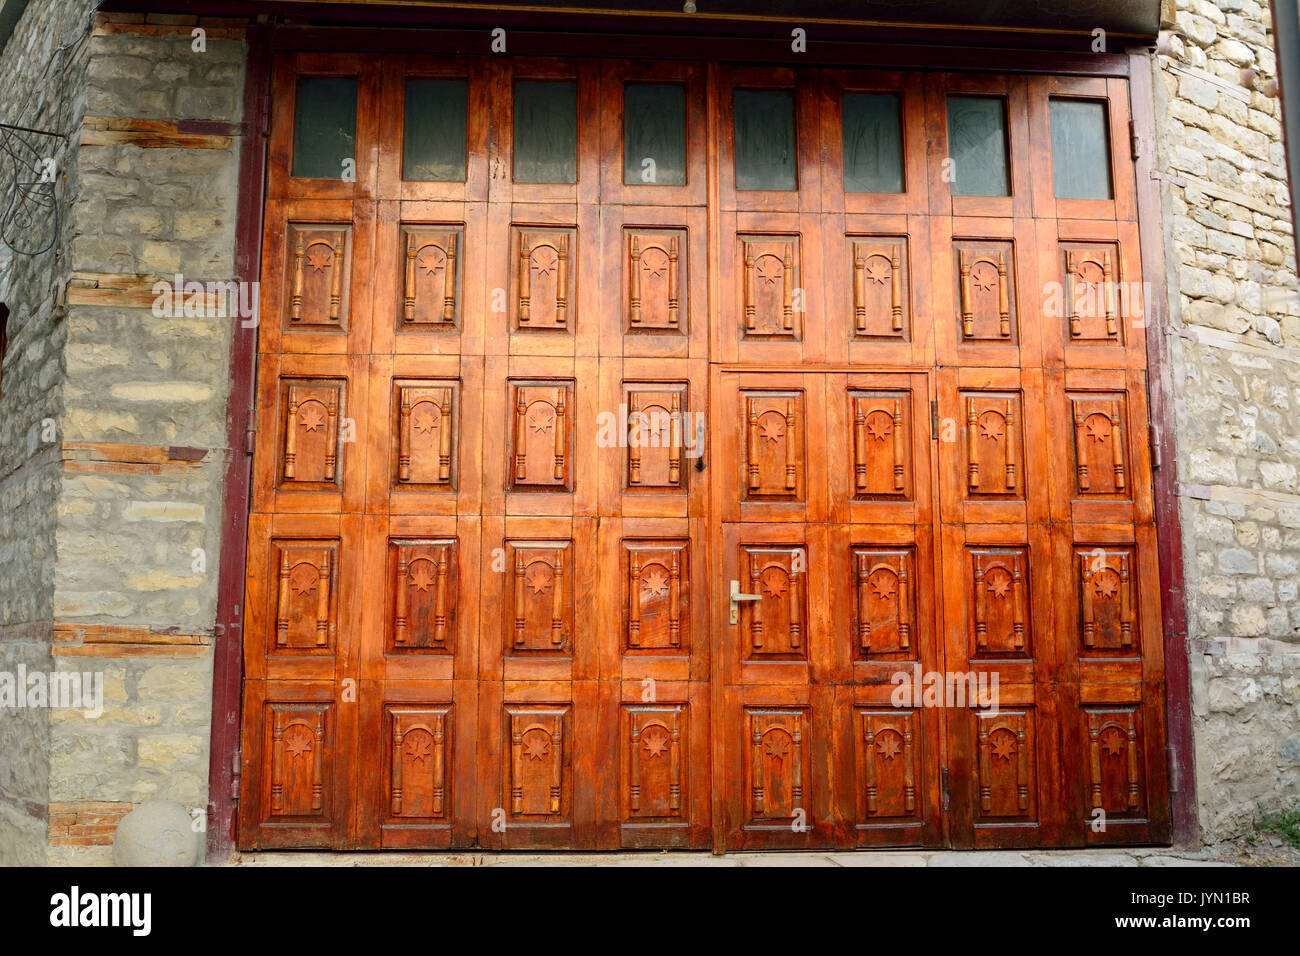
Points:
(42, 74)
(134, 493)
(1235, 347)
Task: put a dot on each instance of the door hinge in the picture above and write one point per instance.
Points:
(1172, 759)
(234, 777)
(934, 420)
(250, 440)
(943, 784)
(1135, 142)
(1153, 436)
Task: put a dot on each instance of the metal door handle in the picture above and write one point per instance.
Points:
(737, 597)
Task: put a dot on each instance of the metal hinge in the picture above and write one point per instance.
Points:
(250, 440)
(934, 420)
(234, 777)
(1171, 757)
(1153, 436)
(947, 794)
(1135, 142)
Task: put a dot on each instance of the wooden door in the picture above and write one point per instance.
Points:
(672, 455)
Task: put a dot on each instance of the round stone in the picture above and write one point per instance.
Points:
(156, 833)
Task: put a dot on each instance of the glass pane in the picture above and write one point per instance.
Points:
(1080, 149)
(546, 131)
(325, 126)
(765, 145)
(873, 143)
(433, 146)
(654, 134)
(977, 144)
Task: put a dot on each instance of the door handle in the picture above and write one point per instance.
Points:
(736, 598)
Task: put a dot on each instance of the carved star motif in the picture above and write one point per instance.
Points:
(769, 270)
(319, 259)
(303, 581)
(431, 263)
(539, 581)
(1104, 586)
(879, 427)
(984, 279)
(541, 423)
(771, 431)
(1004, 745)
(777, 749)
(887, 746)
(298, 744)
(999, 584)
(536, 748)
(421, 579)
(544, 262)
(876, 272)
(655, 744)
(1112, 740)
(418, 749)
(424, 422)
(773, 585)
(1097, 431)
(312, 418)
(991, 427)
(883, 585)
(655, 583)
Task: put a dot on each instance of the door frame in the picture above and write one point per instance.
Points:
(263, 40)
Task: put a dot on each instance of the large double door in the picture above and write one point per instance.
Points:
(667, 475)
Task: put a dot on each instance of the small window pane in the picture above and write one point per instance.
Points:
(433, 145)
(546, 131)
(654, 134)
(1080, 149)
(324, 126)
(765, 144)
(977, 144)
(873, 143)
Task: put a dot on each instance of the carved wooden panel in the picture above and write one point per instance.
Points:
(318, 270)
(772, 298)
(1092, 289)
(431, 277)
(541, 436)
(880, 287)
(311, 454)
(544, 279)
(1115, 778)
(306, 599)
(881, 451)
(658, 416)
(885, 605)
(418, 786)
(1107, 603)
(1005, 750)
(300, 740)
(994, 444)
(774, 626)
(986, 290)
(1000, 592)
(655, 762)
(538, 761)
(657, 595)
(656, 280)
(541, 593)
(889, 759)
(777, 764)
(774, 445)
(425, 427)
(1099, 438)
(424, 595)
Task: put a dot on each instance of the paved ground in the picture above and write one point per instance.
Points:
(1162, 857)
